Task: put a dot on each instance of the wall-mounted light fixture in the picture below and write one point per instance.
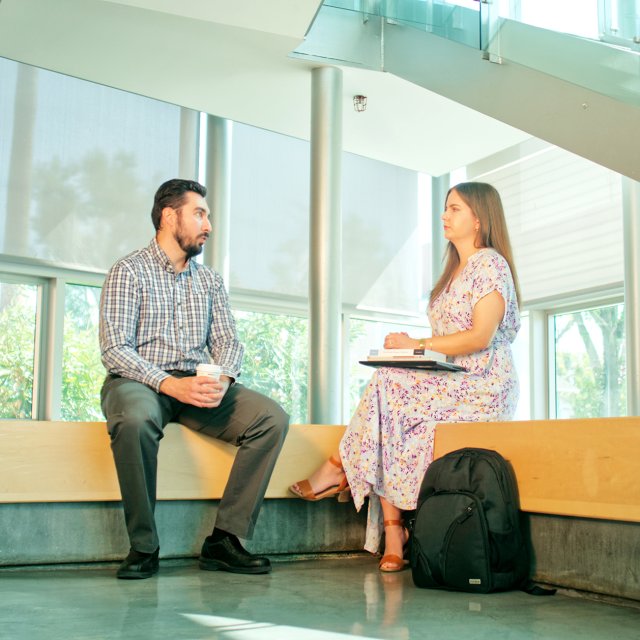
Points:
(360, 103)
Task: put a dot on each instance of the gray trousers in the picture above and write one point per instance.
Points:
(136, 416)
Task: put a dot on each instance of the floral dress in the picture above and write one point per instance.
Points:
(388, 444)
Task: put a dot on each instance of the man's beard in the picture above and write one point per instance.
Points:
(190, 248)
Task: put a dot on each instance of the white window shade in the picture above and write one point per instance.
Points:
(382, 251)
(269, 212)
(564, 215)
(382, 257)
(79, 164)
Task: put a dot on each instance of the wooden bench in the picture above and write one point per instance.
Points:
(584, 467)
(72, 462)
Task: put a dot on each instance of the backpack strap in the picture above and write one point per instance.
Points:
(535, 590)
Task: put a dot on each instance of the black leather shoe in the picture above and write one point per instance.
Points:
(228, 555)
(139, 565)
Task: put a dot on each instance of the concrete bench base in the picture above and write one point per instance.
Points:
(594, 556)
(82, 532)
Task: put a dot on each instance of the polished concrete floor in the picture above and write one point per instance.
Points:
(327, 599)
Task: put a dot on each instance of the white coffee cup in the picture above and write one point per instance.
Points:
(209, 370)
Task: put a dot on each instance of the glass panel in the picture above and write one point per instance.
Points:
(18, 309)
(590, 363)
(271, 220)
(550, 194)
(363, 336)
(82, 370)
(457, 20)
(620, 22)
(276, 360)
(78, 173)
(520, 348)
(578, 17)
(392, 253)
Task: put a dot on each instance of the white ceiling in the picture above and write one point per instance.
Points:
(231, 59)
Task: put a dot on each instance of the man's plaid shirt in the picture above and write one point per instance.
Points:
(153, 320)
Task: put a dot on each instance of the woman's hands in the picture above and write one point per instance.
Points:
(486, 318)
(400, 341)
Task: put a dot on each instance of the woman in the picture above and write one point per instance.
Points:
(473, 311)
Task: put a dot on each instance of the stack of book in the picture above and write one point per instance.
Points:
(405, 354)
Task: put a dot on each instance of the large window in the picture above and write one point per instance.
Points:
(590, 377)
(78, 168)
(79, 163)
(18, 313)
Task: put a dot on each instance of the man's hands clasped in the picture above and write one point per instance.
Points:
(199, 391)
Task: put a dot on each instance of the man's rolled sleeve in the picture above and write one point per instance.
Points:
(224, 346)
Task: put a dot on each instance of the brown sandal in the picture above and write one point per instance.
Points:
(396, 563)
(304, 490)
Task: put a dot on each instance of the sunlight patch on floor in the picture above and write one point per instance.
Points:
(251, 630)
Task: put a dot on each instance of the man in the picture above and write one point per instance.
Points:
(162, 314)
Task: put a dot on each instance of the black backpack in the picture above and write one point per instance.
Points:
(467, 533)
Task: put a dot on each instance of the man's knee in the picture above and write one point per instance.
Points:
(281, 422)
(273, 424)
(135, 424)
(132, 413)
(276, 421)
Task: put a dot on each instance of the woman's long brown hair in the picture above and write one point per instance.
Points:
(485, 203)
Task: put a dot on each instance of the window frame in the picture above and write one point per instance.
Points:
(40, 338)
(575, 304)
(51, 280)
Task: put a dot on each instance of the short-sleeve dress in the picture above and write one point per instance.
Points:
(388, 444)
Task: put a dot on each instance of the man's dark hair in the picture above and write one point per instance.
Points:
(172, 194)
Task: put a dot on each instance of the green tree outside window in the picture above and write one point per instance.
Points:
(276, 360)
(591, 363)
(82, 370)
(18, 306)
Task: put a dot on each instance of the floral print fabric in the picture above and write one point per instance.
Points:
(388, 444)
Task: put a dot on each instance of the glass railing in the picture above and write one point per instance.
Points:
(458, 21)
(614, 22)
(591, 43)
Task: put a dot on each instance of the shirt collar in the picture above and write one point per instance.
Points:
(159, 255)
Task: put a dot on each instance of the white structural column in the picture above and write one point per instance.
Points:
(631, 213)
(217, 177)
(325, 247)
